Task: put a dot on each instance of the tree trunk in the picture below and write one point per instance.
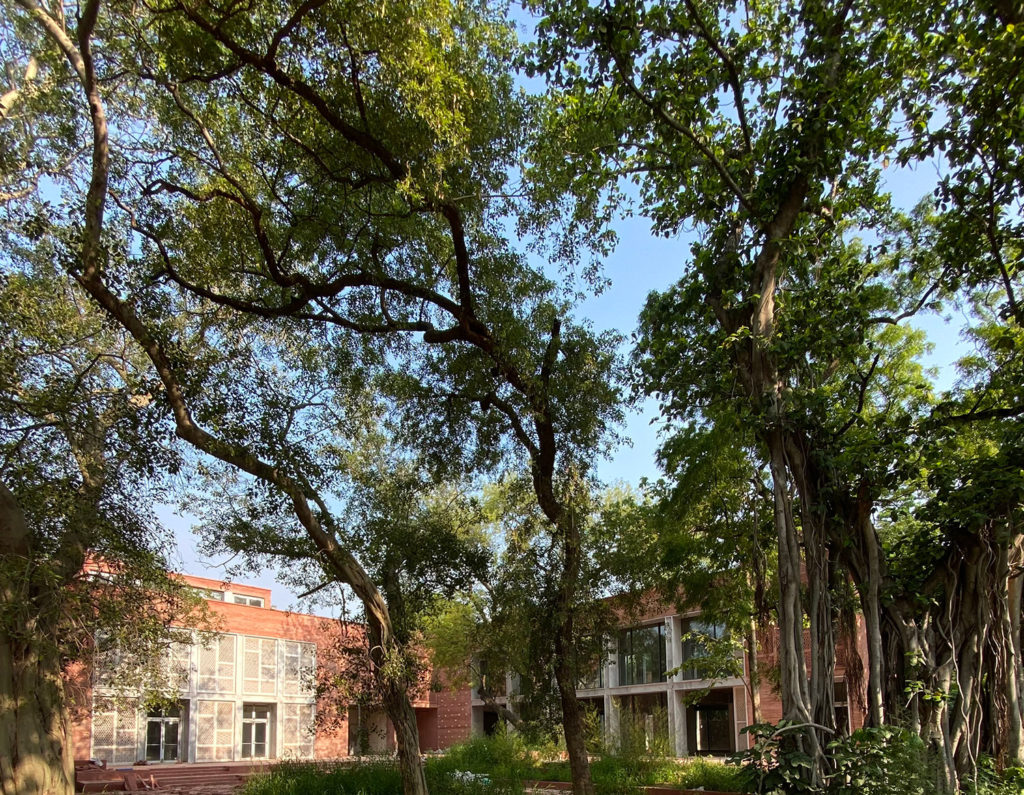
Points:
(753, 672)
(796, 703)
(566, 669)
(407, 740)
(1015, 662)
(36, 757)
(391, 674)
(572, 721)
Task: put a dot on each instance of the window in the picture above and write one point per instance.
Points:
(210, 593)
(842, 707)
(695, 634)
(642, 655)
(255, 731)
(252, 601)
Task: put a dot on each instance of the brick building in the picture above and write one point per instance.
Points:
(248, 694)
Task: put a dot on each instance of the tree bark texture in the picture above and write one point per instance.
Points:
(35, 755)
(34, 725)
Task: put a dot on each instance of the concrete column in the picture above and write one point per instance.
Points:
(611, 721)
(673, 635)
(677, 715)
(739, 711)
(612, 672)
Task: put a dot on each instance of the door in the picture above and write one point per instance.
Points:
(255, 731)
(162, 733)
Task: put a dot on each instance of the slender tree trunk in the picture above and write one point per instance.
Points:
(1014, 661)
(796, 703)
(566, 670)
(403, 717)
(390, 675)
(753, 672)
(572, 722)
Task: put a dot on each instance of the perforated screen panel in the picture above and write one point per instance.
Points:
(217, 665)
(297, 731)
(299, 668)
(259, 672)
(115, 733)
(215, 731)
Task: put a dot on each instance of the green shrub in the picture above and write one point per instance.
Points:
(884, 761)
(989, 781)
(774, 764)
(311, 778)
(708, 774)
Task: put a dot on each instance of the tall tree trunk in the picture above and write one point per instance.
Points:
(796, 703)
(36, 756)
(753, 672)
(1014, 661)
(819, 569)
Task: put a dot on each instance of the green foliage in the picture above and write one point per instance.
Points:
(883, 761)
(774, 764)
(504, 761)
(989, 781)
(363, 778)
(872, 761)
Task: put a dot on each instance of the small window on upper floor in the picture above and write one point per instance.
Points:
(252, 601)
(210, 593)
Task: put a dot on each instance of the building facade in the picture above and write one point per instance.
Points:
(248, 692)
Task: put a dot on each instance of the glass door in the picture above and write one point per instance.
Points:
(255, 731)
(162, 730)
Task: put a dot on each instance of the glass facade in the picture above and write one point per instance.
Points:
(693, 645)
(642, 655)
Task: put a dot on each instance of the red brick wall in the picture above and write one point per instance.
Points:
(454, 716)
(771, 703)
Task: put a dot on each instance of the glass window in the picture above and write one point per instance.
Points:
(694, 648)
(209, 593)
(842, 707)
(642, 655)
(252, 601)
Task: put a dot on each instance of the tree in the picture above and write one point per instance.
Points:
(752, 128)
(353, 204)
